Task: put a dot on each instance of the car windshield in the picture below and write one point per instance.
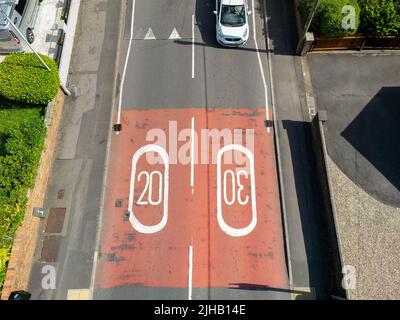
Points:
(233, 16)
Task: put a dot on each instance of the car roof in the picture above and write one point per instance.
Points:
(233, 2)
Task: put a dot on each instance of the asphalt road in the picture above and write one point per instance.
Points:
(197, 246)
(193, 225)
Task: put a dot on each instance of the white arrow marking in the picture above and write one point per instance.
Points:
(174, 35)
(149, 35)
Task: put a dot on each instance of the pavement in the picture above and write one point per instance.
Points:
(306, 231)
(75, 185)
(360, 93)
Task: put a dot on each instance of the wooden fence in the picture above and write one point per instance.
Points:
(356, 42)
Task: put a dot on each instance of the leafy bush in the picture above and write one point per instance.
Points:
(329, 16)
(373, 17)
(380, 17)
(22, 133)
(24, 79)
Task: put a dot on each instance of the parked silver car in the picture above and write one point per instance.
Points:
(23, 13)
(232, 22)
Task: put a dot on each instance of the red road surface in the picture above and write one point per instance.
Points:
(128, 257)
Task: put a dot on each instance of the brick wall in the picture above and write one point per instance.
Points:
(20, 263)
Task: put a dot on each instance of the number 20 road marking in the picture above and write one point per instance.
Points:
(234, 232)
(136, 224)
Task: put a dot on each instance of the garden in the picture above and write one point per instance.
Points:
(26, 88)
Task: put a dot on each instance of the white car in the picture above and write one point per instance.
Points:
(232, 22)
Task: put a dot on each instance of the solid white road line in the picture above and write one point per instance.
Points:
(193, 48)
(190, 282)
(261, 66)
(126, 62)
(192, 156)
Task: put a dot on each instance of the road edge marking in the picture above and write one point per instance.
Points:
(268, 118)
(193, 47)
(121, 89)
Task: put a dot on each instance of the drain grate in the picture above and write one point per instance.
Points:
(55, 222)
(60, 195)
(51, 245)
(118, 203)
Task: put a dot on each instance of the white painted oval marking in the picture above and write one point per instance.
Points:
(136, 224)
(235, 232)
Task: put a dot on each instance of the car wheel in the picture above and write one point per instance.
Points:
(30, 35)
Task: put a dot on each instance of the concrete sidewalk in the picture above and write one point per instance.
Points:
(308, 249)
(75, 188)
(361, 95)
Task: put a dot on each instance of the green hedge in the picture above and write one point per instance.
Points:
(24, 79)
(380, 17)
(373, 17)
(22, 134)
(329, 16)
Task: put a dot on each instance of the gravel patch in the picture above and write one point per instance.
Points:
(369, 233)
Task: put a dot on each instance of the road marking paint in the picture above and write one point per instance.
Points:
(193, 48)
(94, 266)
(190, 280)
(261, 66)
(303, 293)
(136, 224)
(78, 294)
(192, 156)
(174, 35)
(150, 35)
(234, 232)
(126, 63)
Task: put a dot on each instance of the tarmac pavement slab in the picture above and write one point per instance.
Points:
(361, 94)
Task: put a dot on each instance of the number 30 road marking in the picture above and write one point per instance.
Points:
(234, 232)
(136, 224)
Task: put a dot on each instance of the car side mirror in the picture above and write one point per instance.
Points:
(215, 12)
(250, 12)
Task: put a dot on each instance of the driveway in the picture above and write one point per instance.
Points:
(362, 97)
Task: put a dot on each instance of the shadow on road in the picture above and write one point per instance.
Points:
(375, 134)
(282, 28)
(313, 223)
(298, 294)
